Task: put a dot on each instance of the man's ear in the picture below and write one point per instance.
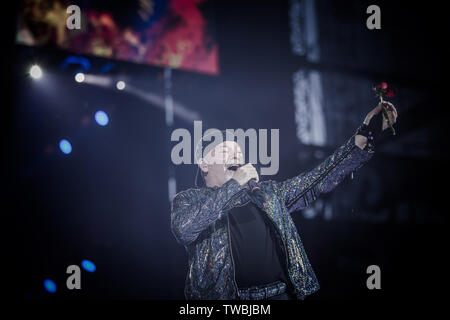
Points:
(203, 165)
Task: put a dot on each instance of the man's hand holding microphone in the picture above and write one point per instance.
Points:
(247, 174)
(244, 173)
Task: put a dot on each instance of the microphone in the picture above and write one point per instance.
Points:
(235, 167)
(253, 185)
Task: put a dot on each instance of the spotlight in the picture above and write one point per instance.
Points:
(102, 118)
(120, 85)
(87, 265)
(49, 285)
(35, 72)
(65, 146)
(79, 77)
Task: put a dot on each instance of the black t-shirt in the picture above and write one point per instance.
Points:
(258, 256)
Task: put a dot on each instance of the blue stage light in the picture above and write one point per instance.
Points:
(88, 265)
(65, 146)
(102, 118)
(70, 60)
(49, 285)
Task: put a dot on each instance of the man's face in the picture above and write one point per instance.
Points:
(216, 163)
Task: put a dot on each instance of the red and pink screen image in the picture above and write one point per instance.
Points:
(172, 33)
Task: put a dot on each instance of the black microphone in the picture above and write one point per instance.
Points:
(235, 167)
(253, 185)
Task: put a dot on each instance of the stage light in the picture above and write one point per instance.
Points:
(79, 77)
(87, 265)
(120, 85)
(65, 146)
(101, 117)
(35, 72)
(49, 285)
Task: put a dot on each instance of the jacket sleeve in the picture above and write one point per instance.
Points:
(190, 215)
(298, 192)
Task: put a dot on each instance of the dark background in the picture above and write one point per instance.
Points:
(108, 202)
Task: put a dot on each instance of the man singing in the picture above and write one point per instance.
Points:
(241, 240)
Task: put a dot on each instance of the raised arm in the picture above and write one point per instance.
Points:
(192, 212)
(300, 191)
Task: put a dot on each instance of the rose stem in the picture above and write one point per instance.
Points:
(385, 113)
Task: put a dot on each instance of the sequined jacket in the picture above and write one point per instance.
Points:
(199, 221)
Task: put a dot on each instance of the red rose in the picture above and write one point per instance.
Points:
(383, 90)
(390, 93)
